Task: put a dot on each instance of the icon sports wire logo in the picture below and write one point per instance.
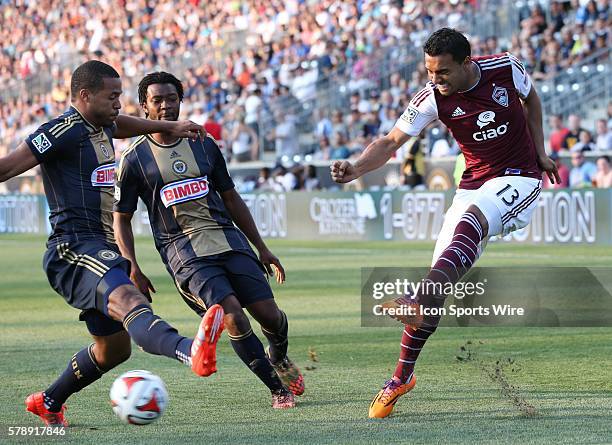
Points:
(185, 190)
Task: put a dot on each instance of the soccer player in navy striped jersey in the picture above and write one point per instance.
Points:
(82, 262)
(493, 111)
(192, 207)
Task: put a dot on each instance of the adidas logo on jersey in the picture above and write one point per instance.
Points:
(458, 112)
(174, 154)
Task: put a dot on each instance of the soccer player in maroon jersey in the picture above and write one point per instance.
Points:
(493, 111)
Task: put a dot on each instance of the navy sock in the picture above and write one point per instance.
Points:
(155, 336)
(278, 340)
(251, 352)
(82, 370)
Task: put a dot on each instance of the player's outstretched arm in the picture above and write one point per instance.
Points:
(122, 226)
(374, 156)
(533, 112)
(241, 215)
(16, 162)
(130, 126)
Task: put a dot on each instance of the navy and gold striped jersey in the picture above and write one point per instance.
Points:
(180, 185)
(78, 167)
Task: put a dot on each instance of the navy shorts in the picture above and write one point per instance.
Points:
(84, 273)
(208, 280)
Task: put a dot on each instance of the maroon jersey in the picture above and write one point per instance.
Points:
(487, 121)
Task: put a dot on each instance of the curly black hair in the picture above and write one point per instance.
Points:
(155, 78)
(448, 41)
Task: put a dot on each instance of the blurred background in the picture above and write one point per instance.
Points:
(288, 86)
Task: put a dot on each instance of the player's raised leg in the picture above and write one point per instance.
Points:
(251, 351)
(275, 327)
(156, 336)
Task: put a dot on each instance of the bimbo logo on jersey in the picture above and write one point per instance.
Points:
(185, 190)
(103, 176)
(485, 118)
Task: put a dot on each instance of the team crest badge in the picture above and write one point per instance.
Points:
(179, 167)
(108, 255)
(500, 95)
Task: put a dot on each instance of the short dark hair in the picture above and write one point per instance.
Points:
(605, 157)
(90, 76)
(155, 78)
(448, 41)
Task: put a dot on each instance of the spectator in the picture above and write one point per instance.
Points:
(311, 182)
(583, 172)
(564, 174)
(573, 134)
(558, 132)
(603, 177)
(604, 136)
(213, 128)
(323, 127)
(285, 180)
(323, 152)
(410, 176)
(442, 147)
(243, 141)
(285, 136)
(338, 125)
(585, 142)
(252, 108)
(265, 183)
(338, 148)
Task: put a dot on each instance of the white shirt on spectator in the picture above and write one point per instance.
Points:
(252, 104)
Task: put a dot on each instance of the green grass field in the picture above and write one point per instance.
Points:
(564, 373)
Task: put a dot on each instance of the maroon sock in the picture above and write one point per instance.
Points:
(412, 343)
(452, 264)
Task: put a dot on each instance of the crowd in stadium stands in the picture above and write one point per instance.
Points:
(247, 64)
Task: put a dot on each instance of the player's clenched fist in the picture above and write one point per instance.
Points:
(343, 171)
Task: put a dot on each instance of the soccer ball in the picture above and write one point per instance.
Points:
(138, 397)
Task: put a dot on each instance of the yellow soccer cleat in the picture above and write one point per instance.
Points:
(385, 400)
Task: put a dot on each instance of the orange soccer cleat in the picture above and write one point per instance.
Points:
(35, 403)
(204, 347)
(282, 399)
(385, 400)
(289, 374)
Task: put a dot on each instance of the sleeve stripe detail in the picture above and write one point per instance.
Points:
(517, 63)
(494, 60)
(496, 66)
(420, 97)
(61, 128)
